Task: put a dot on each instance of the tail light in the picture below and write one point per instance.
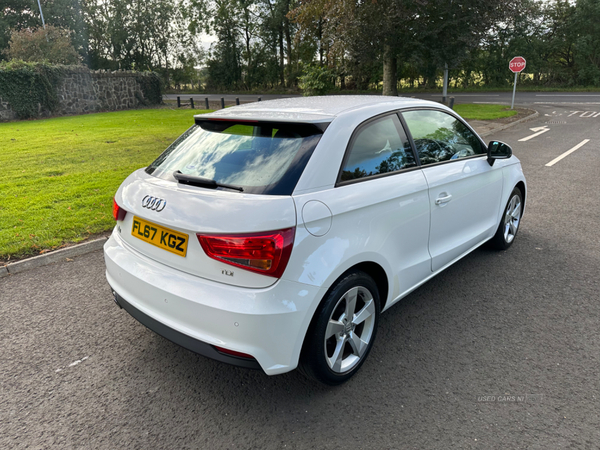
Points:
(118, 212)
(266, 253)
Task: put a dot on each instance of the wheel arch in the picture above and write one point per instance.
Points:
(377, 273)
(521, 186)
(371, 268)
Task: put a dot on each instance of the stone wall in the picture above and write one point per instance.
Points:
(82, 91)
(6, 113)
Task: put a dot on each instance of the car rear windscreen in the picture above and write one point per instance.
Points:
(260, 157)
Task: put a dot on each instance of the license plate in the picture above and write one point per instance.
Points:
(165, 238)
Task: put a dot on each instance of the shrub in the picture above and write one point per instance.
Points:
(52, 45)
(316, 80)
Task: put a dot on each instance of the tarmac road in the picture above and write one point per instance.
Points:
(499, 351)
(531, 98)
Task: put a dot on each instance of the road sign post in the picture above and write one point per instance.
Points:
(517, 64)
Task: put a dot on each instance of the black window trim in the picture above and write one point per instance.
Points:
(355, 133)
(406, 130)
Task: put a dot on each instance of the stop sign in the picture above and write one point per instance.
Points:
(517, 64)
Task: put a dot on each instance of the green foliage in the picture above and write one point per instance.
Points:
(256, 45)
(141, 35)
(59, 175)
(483, 112)
(264, 44)
(31, 88)
(27, 86)
(316, 80)
(51, 45)
(15, 15)
(587, 18)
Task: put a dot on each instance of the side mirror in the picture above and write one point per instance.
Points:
(498, 150)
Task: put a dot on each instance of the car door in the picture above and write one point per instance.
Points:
(379, 210)
(464, 190)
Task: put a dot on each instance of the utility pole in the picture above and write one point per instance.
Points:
(445, 88)
(43, 22)
(41, 14)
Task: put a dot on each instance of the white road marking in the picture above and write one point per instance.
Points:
(567, 103)
(566, 95)
(584, 114)
(567, 153)
(79, 361)
(467, 95)
(540, 130)
(74, 363)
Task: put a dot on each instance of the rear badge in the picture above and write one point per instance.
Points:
(229, 273)
(154, 203)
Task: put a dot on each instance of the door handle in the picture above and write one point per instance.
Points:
(442, 200)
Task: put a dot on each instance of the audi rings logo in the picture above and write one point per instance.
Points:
(154, 203)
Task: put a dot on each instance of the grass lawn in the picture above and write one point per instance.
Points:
(58, 176)
(483, 112)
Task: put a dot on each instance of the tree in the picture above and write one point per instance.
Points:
(587, 17)
(427, 34)
(360, 30)
(51, 45)
(557, 42)
(15, 15)
(140, 34)
(66, 14)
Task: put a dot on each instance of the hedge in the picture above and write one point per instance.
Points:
(27, 86)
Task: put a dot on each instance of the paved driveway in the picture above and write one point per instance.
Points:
(499, 351)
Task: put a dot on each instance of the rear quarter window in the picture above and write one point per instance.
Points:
(378, 147)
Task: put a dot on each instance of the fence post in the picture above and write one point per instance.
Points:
(206, 103)
(192, 102)
(179, 102)
(237, 100)
(259, 99)
(451, 103)
(222, 103)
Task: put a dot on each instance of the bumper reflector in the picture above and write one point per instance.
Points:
(233, 353)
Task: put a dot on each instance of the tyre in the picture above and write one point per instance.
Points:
(510, 221)
(343, 330)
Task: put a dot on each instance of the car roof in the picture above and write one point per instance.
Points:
(316, 109)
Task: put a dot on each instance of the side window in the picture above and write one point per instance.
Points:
(379, 147)
(440, 137)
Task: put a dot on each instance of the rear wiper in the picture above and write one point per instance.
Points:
(202, 182)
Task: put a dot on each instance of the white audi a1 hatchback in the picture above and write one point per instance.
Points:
(272, 235)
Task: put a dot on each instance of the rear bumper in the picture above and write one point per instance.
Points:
(268, 323)
(202, 348)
